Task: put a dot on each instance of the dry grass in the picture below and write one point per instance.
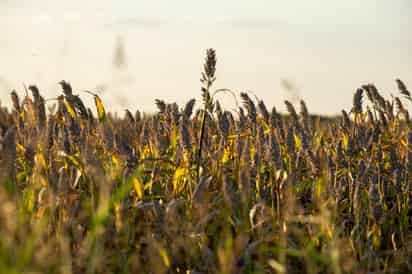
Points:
(210, 192)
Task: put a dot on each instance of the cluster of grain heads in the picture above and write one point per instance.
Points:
(205, 190)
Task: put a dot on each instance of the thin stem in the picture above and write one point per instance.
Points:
(199, 152)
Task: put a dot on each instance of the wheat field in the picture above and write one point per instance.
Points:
(205, 190)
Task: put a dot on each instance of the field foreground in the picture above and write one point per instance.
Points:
(207, 190)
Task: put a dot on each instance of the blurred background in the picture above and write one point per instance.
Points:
(132, 52)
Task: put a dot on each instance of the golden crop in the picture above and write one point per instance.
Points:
(206, 190)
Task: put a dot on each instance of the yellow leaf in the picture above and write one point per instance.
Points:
(267, 131)
(403, 143)
(165, 257)
(227, 155)
(148, 185)
(277, 266)
(20, 149)
(146, 151)
(298, 142)
(138, 187)
(43, 181)
(101, 113)
(40, 159)
(178, 179)
(396, 123)
(266, 127)
(70, 109)
(75, 161)
(345, 140)
(235, 136)
(115, 161)
(281, 175)
(22, 116)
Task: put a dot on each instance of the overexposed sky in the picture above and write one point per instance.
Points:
(327, 48)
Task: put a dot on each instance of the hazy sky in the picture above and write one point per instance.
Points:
(327, 48)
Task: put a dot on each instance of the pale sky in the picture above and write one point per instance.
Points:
(327, 48)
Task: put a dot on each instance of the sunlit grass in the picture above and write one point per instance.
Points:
(205, 190)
